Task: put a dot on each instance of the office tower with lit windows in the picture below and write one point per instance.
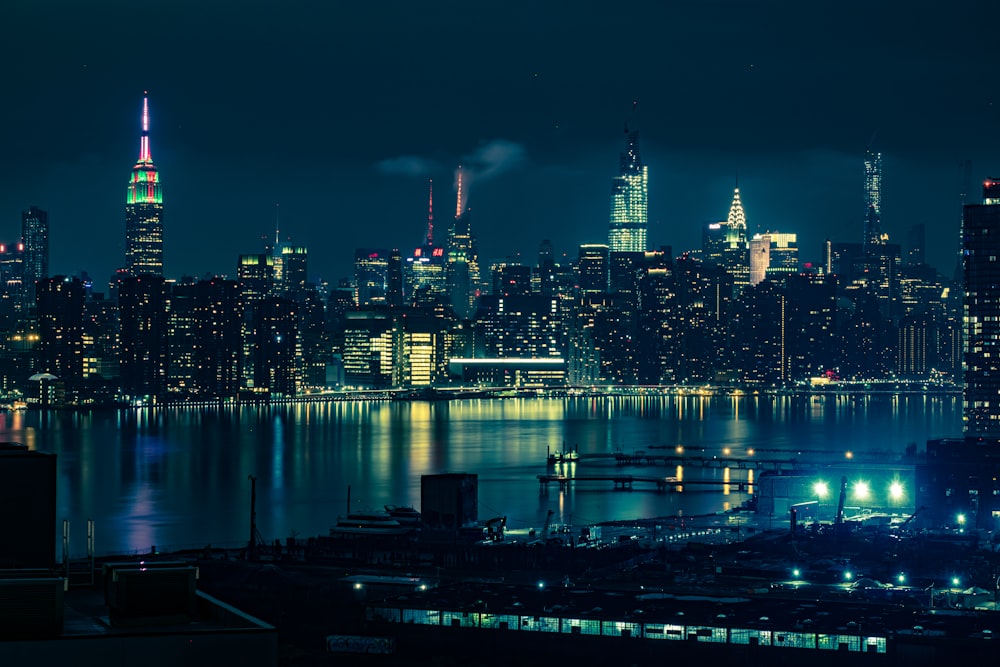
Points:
(276, 348)
(873, 201)
(982, 314)
(629, 201)
(294, 270)
(462, 259)
(724, 244)
(424, 272)
(593, 268)
(394, 279)
(204, 334)
(60, 328)
(35, 239)
(371, 276)
(144, 211)
(142, 304)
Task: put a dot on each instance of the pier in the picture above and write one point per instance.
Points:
(626, 482)
(809, 460)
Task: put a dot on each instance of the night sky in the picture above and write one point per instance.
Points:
(339, 112)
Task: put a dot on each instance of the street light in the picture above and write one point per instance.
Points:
(861, 490)
(896, 491)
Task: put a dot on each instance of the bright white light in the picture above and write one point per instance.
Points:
(541, 585)
(821, 489)
(861, 490)
(896, 490)
(796, 572)
(901, 578)
(955, 581)
(961, 519)
(848, 575)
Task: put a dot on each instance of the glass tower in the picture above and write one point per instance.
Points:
(873, 200)
(629, 201)
(144, 211)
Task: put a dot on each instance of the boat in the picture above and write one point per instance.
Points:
(406, 515)
(369, 522)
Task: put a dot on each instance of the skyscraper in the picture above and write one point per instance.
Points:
(462, 259)
(144, 211)
(629, 201)
(873, 201)
(35, 237)
(982, 314)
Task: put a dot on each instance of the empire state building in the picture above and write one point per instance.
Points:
(144, 211)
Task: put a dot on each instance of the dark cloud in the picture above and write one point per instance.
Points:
(323, 106)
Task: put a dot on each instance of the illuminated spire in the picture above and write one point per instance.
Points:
(144, 185)
(737, 217)
(277, 235)
(144, 209)
(144, 156)
(430, 211)
(458, 205)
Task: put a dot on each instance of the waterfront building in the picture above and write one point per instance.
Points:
(629, 221)
(523, 327)
(370, 349)
(60, 329)
(813, 339)
(759, 335)
(982, 314)
(276, 348)
(35, 240)
(142, 303)
(204, 337)
(144, 211)
(16, 299)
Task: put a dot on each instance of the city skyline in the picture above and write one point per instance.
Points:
(296, 108)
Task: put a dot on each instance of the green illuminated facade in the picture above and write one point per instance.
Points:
(144, 211)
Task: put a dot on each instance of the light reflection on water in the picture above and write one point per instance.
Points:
(179, 477)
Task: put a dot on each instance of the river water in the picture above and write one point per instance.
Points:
(179, 477)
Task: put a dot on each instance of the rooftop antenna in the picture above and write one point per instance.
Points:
(144, 141)
(458, 203)
(430, 211)
(277, 240)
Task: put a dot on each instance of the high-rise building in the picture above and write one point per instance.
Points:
(371, 275)
(982, 314)
(144, 211)
(142, 303)
(462, 259)
(593, 266)
(760, 257)
(873, 200)
(724, 244)
(60, 327)
(424, 273)
(629, 201)
(35, 237)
